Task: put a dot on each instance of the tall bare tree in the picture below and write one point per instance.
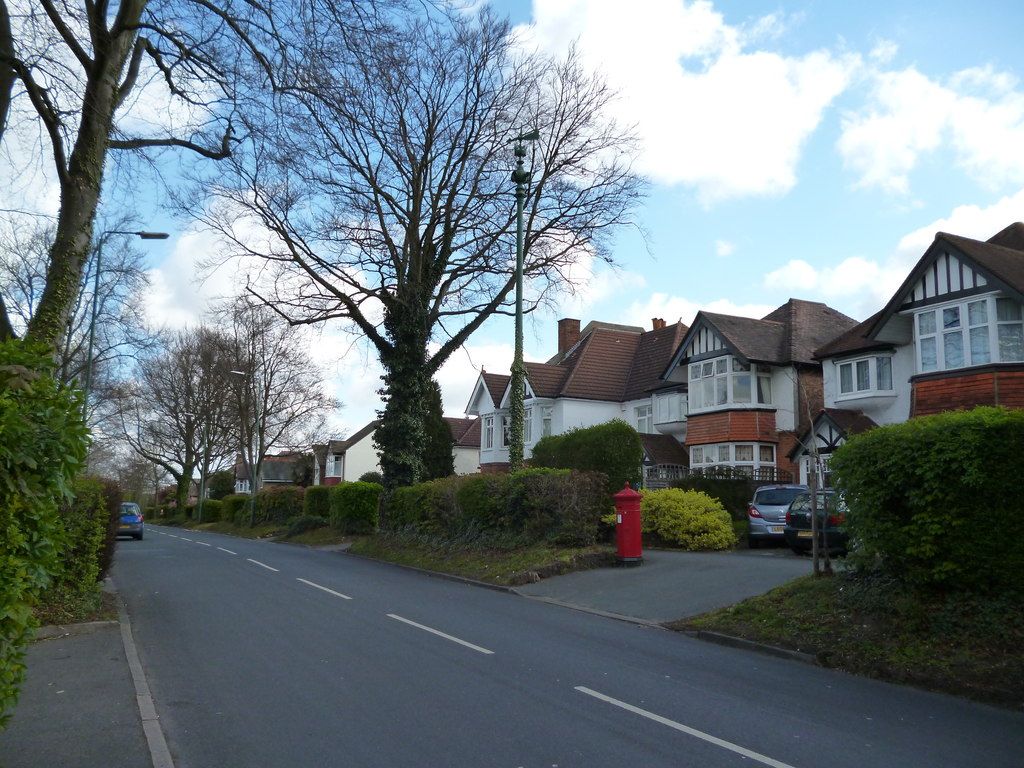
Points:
(73, 72)
(382, 173)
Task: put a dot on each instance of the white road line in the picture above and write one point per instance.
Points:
(227, 550)
(204, 543)
(262, 565)
(325, 589)
(184, 539)
(441, 634)
(171, 535)
(685, 729)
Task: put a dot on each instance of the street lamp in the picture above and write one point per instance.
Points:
(96, 296)
(254, 456)
(521, 177)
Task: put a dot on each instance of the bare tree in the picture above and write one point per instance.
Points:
(279, 393)
(382, 173)
(72, 72)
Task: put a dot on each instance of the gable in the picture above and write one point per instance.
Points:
(947, 276)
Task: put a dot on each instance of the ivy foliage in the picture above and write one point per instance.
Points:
(43, 443)
(931, 500)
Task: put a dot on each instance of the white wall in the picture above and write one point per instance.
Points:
(360, 459)
(882, 409)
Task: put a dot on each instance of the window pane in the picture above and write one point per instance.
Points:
(721, 390)
(951, 318)
(764, 390)
(953, 349)
(767, 453)
(739, 365)
(980, 351)
(708, 369)
(1007, 309)
(721, 364)
(1011, 342)
(863, 375)
(744, 453)
(695, 371)
(741, 388)
(528, 425)
(845, 378)
(708, 386)
(883, 366)
(723, 453)
(977, 312)
(697, 454)
(926, 323)
(929, 356)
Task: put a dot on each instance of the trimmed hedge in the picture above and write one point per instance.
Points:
(930, 499)
(235, 508)
(316, 502)
(557, 506)
(353, 507)
(43, 443)
(687, 519)
(613, 448)
(278, 505)
(212, 510)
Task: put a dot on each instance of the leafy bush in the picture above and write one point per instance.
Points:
(113, 496)
(354, 507)
(687, 519)
(278, 504)
(43, 443)
(235, 508)
(304, 523)
(613, 448)
(929, 499)
(372, 477)
(212, 509)
(482, 501)
(317, 501)
(734, 492)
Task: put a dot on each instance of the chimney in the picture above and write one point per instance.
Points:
(657, 323)
(568, 334)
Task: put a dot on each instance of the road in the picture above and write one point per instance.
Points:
(262, 654)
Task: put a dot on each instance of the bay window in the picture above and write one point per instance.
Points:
(968, 333)
(870, 374)
(728, 381)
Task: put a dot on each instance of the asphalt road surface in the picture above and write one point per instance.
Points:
(262, 654)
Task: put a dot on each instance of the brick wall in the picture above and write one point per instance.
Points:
(956, 392)
(731, 427)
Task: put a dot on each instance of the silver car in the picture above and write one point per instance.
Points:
(766, 513)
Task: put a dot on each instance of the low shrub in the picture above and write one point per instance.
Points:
(613, 448)
(482, 501)
(212, 510)
(686, 519)
(278, 505)
(304, 523)
(353, 507)
(733, 489)
(372, 477)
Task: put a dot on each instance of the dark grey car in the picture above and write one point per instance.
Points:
(766, 513)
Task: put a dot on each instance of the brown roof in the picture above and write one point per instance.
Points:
(600, 365)
(465, 432)
(664, 449)
(851, 422)
(654, 349)
(854, 340)
(495, 383)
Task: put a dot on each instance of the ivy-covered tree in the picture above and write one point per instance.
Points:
(438, 459)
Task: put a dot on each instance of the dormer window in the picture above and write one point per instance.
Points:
(728, 381)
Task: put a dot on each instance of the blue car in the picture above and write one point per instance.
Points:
(131, 523)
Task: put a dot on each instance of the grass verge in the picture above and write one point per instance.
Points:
(967, 645)
(59, 607)
(491, 564)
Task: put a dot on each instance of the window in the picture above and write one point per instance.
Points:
(545, 421)
(506, 428)
(729, 381)
(871, 374)
(644, 420)
(969, 333)
(488, 432)
(671, 407)
(528, 425)
(334, 465)
(744, 456)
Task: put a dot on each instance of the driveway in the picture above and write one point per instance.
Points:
(673, 585)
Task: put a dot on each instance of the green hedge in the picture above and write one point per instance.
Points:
(557, 506)
(316, 502)
(235, 508)
(614, 449)
(278, 505)
(212, 510)
(733, 492)
(934, 501)
(43, 442)
(353, 506)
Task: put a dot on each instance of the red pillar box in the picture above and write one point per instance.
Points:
(627, 526)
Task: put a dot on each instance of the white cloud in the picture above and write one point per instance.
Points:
(977, 113)
(713, 112)
(724, 248)
(674, 308)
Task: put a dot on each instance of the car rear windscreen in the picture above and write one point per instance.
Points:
(776, 496)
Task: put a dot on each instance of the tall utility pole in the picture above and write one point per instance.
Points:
(521, 177)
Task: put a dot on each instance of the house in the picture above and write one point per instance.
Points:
(604, 372)
(753, 385)
(348, 460)
(952, 336)
(285, 468)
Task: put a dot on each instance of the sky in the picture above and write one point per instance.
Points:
(803, 149)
